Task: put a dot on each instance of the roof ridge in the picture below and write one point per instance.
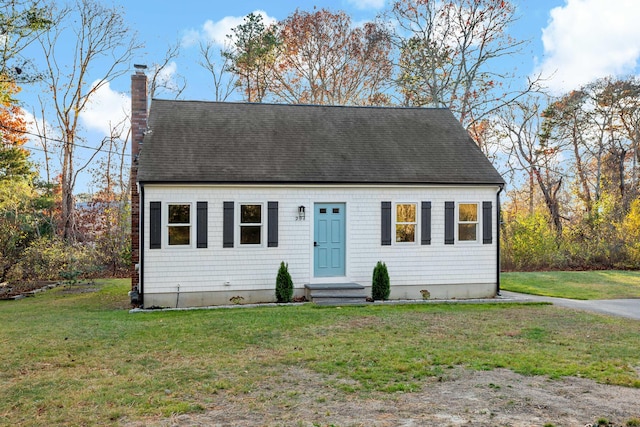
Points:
(382, 107)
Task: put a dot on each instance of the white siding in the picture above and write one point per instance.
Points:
(249, 268)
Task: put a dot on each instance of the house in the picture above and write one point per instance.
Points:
(226, 191)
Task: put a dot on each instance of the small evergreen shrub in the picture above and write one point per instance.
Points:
(380, 287)
(284, 284)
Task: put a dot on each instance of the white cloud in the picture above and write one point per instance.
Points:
(167, 78)
(589, 39)
(217, 31)
(190, 38)
(108, 109)
(167, 73)
(367, 4)
(37, 126)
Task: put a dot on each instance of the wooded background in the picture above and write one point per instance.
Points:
(570, 161)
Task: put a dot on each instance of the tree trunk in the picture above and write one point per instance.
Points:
(67, 208)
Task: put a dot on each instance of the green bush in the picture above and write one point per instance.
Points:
(528, 242)
(284, 284)
(54, 259)
(630, 231)
(380, 286)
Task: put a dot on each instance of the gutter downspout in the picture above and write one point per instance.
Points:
(141, 247)
(498, 216)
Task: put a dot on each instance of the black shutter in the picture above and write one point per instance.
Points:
(201, 224)
(227, 225)
(486, 222)
(449, 223)
(386, 223)
(155, 225)
(426, 223)
(272, 228)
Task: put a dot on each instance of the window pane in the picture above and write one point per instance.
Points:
(179, 214)
(405, 233)
(406, 213)
(468, 212)
(179, 235)
(467, 232)
(250, 235)
(251, 214)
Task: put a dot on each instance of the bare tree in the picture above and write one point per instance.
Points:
(161, 80)
(623, 97)
(567, 122)
(218, 66)
(600, 123)
(102, 47)
(449, 52)
(530, 152)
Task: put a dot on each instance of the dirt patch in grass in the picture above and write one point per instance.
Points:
(80, 288)
(459, 397)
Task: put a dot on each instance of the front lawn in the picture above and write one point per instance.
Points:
(76, 356)
(584, 285)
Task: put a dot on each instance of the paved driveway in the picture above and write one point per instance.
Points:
(618, 307)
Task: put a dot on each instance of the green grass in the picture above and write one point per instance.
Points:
(583, 285)
(81, 358)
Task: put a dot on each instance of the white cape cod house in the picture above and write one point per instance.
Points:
(226, 191)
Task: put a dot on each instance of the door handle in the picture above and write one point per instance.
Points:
(315, 244)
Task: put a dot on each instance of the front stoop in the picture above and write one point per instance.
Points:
(335, 293)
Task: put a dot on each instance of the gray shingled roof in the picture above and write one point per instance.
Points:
(212, 142)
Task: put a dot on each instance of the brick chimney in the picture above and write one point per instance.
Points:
(138, 128)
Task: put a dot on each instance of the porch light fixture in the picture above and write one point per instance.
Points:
(301, 213)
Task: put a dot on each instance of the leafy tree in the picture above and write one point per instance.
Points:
(325, 60)
(252, 55)
(21, 22)
(630, 232)
(14, 160)
(22, 206)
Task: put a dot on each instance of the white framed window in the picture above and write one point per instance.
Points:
(468, 222)
(406, 219)
(251, 224)
(179, 224)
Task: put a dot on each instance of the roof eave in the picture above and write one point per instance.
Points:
(282, 183)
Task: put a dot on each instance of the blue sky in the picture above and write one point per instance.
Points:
(572, 42)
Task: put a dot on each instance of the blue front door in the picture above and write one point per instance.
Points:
(329, 239)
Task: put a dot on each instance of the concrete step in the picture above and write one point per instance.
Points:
(332, 286)
(340, 301)
(336, 293)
